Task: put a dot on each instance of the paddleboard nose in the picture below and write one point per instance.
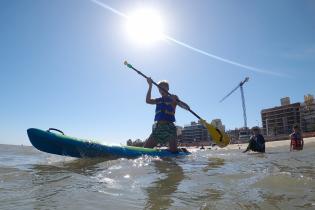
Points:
(31, 132)
(34, 136)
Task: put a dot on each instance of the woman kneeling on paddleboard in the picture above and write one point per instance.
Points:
(164, 130)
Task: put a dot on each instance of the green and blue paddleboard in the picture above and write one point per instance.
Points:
(61, 144)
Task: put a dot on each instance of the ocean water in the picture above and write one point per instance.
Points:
(210, 179)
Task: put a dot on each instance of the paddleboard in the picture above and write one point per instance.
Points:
(60, 144)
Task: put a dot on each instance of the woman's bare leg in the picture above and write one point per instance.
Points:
(173, 145)
(149, 143)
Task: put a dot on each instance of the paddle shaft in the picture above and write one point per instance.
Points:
(139, 72)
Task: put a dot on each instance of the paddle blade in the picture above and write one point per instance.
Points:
(218, 137)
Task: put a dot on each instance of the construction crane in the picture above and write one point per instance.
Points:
(243, 98)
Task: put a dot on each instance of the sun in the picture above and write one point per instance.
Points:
(145, 26)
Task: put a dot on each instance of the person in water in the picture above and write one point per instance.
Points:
(297, 141)
(256, 142)
(164, 130)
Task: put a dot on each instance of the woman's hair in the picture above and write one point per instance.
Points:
(164, 83)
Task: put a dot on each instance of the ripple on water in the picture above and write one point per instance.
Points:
(219, 179)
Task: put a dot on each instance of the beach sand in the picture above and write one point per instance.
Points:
(271, 144)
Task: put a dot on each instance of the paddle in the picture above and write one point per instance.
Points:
(221, 139)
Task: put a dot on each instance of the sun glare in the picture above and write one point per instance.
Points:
(145, 26)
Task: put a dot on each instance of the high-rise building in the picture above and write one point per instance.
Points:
(234, 135)
(195, 133)
(280, 120)
(218, 123)
(285, 101)
(308, 113)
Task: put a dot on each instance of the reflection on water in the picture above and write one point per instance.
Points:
(214, 163)
(85, 166)
(54, 184)
(221, 179)
(170, 176)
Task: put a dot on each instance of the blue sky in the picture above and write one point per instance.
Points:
(62, 63)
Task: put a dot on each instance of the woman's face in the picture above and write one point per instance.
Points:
(164, 86)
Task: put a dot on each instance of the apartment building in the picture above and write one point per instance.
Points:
(280, 120)
(308, 114)
(195, 133)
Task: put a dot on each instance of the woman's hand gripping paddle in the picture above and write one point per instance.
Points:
(219, 138)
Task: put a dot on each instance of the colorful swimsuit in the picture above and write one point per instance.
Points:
(296, 141)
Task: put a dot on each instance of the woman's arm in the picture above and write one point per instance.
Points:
(149, 100)
(181, 103)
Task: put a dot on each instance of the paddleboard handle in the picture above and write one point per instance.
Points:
(54, 129)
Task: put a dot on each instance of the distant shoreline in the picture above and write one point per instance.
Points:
(21, 145)
(271, 144)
